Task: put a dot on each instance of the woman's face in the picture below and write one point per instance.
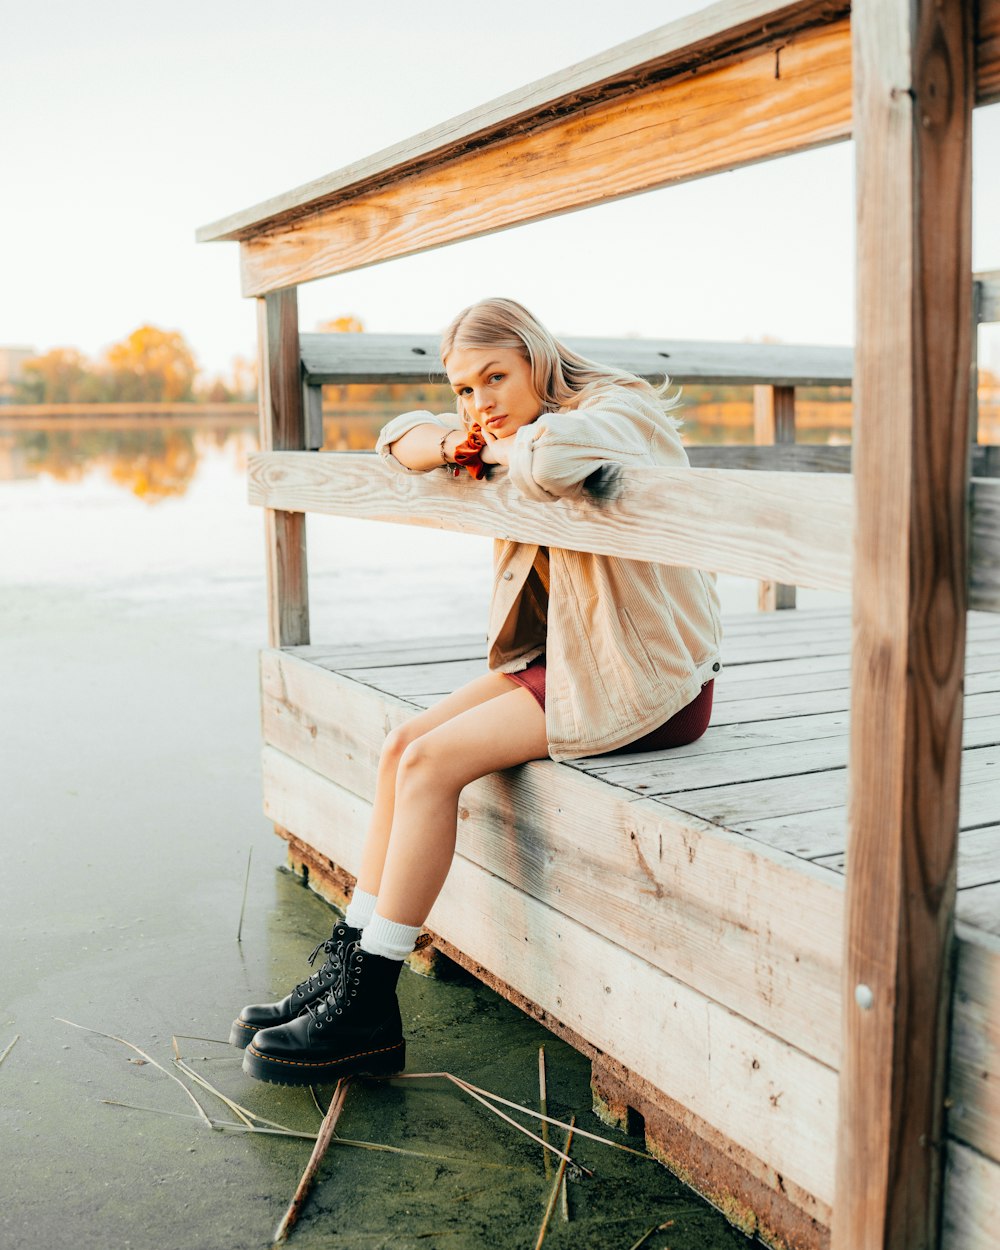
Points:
(494, 384)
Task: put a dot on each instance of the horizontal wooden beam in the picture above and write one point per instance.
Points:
(794, 527)
(693, 43)
(768, 104)
(413, 358)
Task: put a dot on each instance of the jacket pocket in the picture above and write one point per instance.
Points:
(636, 645)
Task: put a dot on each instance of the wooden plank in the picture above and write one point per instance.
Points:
(282, 427)
(594, 852)
(974, 1087)
(984, 539)
(415, 359)
(989, 282)
(768, 1097)
(793, 526)
(774, 423)
(988, 52)
(913, 119)
(794, 458)
(714, 34)
(971, 1203)
(979, 907)
(978, 849)
(668, 132)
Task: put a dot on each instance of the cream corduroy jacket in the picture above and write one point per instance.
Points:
(628, 643)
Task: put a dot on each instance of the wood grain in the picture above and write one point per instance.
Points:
(793, 526)
(672, 131)
(774, 423)
(282, 427)
(713, 35)
(414, 358)
(913, 106)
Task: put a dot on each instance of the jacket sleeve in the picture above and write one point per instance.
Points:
(403, 424)
(555, 455)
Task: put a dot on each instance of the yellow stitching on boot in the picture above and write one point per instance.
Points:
(299, 1063)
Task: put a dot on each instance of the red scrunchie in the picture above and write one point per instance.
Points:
(469, 453)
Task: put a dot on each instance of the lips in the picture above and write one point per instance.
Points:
(496, 420)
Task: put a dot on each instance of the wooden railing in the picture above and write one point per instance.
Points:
(740, 82)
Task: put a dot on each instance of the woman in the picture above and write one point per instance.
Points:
(588, 654)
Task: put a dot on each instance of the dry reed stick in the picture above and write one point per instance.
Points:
(200, 1080)
(648, 1233)
(17, 1038)
(563, 1190)
(319, 1150)
(534, 1114)
(148, 1058)
(543, 1106)
(554, 1195)
(246, 883)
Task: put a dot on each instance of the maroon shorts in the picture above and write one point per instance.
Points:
(683, 727)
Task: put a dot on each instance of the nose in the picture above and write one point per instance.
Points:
(484, 401)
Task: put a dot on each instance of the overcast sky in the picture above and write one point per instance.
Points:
(125, 127)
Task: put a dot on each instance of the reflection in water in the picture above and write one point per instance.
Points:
(156, 458)
(153, 458)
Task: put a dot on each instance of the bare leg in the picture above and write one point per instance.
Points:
(474, 693)
(505, 731)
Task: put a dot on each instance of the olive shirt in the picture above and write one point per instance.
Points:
(628, 643)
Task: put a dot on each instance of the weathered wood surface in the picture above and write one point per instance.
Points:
(774, 423)
(282, 428)
(779, 1108)
(604, 844)
(338, 735)
(792, 526)
(413, 358)
(674, 130)
(988, 305)
(971, 1204)
(988, 53)
(913, 98)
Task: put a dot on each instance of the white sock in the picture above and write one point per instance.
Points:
(360, 909)
(389, 939)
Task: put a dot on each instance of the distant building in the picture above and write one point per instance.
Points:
(12, 360)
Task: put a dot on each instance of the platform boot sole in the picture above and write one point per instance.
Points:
(241, 1034)
(383, 1061)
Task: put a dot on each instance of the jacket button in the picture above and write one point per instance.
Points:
(716, 667)
(508, 575)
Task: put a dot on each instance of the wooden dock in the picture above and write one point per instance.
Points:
(812, 1040)
(678, 915)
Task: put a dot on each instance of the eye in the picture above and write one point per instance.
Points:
(495, 377)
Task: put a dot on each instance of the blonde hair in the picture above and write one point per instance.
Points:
(558, 374)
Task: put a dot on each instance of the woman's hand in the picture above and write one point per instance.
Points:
(496, 451)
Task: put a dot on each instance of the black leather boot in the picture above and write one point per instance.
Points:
(354, 1030)
(267, 1015)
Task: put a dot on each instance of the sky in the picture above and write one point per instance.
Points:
(125, 127)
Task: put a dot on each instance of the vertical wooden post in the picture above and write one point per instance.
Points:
(282, 428)
(774, 422)
(912, 125)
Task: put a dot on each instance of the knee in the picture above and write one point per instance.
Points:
(420, 764)
(396, 743)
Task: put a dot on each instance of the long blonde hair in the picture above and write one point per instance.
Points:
(558, 374)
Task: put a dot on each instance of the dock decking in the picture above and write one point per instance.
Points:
(633, 902)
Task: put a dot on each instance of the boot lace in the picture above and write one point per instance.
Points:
(330, 967)
(345, 987)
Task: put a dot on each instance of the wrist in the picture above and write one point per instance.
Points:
(448, 453)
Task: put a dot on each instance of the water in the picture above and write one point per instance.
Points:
(131, 616)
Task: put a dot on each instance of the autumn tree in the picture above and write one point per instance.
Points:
(61, 376)
(151, 365)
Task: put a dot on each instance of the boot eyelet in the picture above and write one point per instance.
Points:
(319, 1024)
(340, 1011)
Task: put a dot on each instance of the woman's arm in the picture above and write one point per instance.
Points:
(411, 442)
(426, 447)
